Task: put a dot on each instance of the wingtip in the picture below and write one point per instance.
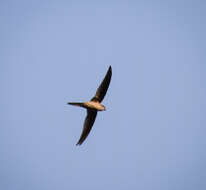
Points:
(110, 68)
(78, 144)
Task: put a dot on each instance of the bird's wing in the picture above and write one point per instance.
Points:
(101, 91)
(88, 123)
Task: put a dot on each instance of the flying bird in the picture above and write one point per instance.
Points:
(93, 106)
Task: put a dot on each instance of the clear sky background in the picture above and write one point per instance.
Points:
(152, 136)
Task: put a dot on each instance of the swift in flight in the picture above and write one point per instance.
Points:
(93, 106)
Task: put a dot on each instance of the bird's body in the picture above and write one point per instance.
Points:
(93, 106)
(89, 105)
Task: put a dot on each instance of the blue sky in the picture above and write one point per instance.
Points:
(152, 135)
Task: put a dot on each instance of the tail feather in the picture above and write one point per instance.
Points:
(76, 104)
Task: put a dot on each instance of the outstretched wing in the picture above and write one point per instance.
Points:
(88, 123)
(102, 90)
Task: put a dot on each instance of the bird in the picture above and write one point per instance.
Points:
(93, 106)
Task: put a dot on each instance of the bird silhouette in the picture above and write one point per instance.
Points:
(93, 106)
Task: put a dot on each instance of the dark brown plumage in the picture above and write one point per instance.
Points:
(88, 123)
(93, 106)
(102, 90)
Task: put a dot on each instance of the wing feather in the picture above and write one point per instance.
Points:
(88, 123)
(102, 90)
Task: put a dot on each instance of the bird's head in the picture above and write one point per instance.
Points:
(104, 108)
